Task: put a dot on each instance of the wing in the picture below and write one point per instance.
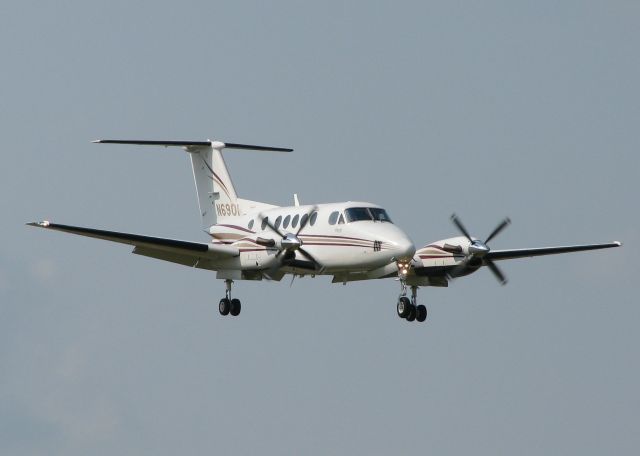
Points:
(192, 254)
(497, 255)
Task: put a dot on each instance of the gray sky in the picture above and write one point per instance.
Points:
(488, 109)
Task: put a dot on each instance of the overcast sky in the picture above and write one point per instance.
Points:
(490, 109)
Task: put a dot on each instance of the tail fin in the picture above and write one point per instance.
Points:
(217, 196)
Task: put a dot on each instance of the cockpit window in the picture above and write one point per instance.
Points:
(341, 220)
(333, 218)
(355, 214)
(380, 215)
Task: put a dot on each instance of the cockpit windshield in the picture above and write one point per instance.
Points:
(356, 214)
(380, 215)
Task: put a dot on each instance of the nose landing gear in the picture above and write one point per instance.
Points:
(409, 309)
(227, 305)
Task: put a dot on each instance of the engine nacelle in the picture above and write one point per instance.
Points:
(441, 257)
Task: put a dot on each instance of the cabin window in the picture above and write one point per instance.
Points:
(304, 219)
(285, 223)
(312, 218)
(294, 222)
(333, 218)
(264, 223)
(278, 222)
(250, 225)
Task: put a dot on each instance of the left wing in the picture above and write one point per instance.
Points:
(509, 254)
(192, 254)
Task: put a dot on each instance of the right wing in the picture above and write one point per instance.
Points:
(510, 254)
(192, 254)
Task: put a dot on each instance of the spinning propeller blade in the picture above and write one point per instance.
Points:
(496, 271)
(456, 221)
(505, 223)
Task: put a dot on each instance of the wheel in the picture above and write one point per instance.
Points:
(421, 313)
(403, 307)
(412, 313)
(235, 307)
(224, 306)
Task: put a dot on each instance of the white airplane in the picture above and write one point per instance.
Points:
(349, 241)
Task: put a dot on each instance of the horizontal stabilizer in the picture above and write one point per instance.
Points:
(215, 144)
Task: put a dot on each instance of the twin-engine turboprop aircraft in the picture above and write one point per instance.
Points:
(349, 241)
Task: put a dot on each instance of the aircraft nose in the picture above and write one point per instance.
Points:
(403, 248)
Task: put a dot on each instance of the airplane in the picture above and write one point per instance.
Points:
(350, 241)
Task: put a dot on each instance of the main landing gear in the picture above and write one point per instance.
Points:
(409, 308)
(227, 305)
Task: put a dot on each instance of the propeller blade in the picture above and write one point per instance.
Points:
(304, 220)
(496, 272)
(270, 225)
(456, 221)
(505, 223)
(310, 257)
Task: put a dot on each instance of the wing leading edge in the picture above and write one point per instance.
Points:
(188, 253)
(497, 255)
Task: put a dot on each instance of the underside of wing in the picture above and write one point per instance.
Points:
(497, 255)
(187, 253)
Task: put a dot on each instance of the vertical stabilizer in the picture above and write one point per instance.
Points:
(217, 196)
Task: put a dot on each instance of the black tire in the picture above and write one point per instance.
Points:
(421, 313)
(412, 313)
(235, 307)
(224, 306)
(403, 307)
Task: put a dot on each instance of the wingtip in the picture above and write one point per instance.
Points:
(618, 243)
(42, 224)
(96, 141)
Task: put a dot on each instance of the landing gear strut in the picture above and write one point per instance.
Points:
(227, 305)
(409, 308)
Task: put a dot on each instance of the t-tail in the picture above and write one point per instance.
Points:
(217, 197)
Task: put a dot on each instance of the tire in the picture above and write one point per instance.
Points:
(403, 307)
(421, 313)
(412, 313)
(224, 306)
(235, 307)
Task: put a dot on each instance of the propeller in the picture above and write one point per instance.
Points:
(289, 242)
(479, 249)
